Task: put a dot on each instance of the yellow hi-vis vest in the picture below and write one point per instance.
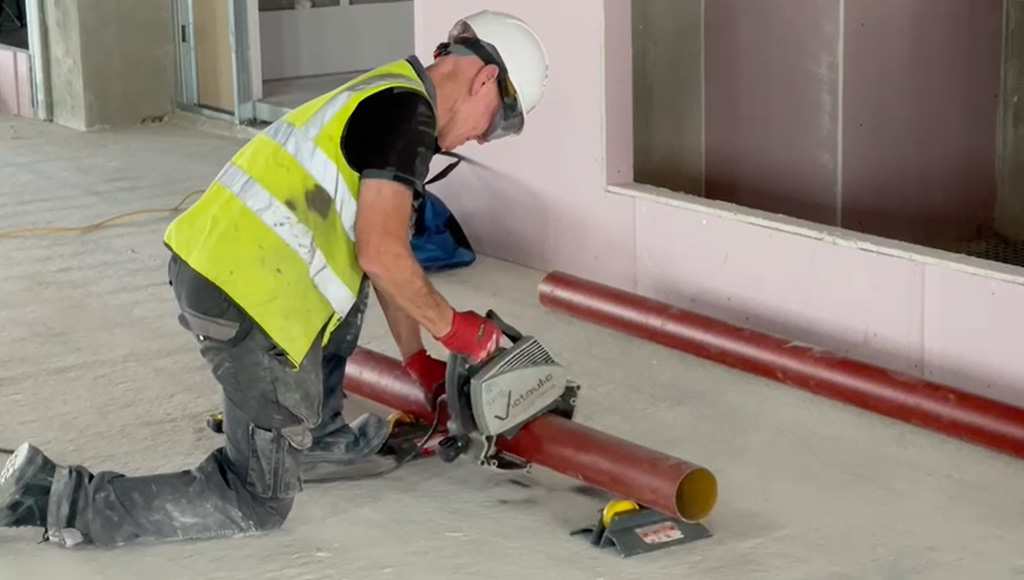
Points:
(275, 230)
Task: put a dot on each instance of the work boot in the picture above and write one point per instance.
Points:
(350, 450)
(25, 488)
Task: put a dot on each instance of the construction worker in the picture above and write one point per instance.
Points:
(272, 270)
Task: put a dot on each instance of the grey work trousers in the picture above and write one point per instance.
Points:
(272, 413)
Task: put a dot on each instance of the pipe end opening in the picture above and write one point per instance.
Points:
(696, 495)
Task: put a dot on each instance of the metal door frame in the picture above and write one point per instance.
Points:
(187, 79)
(239, 35)
(238, 16)
(35, 21)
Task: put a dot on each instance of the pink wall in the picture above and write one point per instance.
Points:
(877, 116)
(541, 201)
(920, 117)
(772, 105)
(15, 82)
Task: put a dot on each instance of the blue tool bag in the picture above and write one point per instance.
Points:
(438, 241)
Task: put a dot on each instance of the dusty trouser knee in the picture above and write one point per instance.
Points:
(268, 460)
(248, 485)
(270, 407)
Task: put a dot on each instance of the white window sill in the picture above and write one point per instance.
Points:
(826, 234)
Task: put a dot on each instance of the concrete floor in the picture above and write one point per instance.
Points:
(94, 368)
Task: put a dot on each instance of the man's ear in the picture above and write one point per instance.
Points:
(486, 75)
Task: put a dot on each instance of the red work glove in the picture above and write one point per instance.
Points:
(428, 372)
(472, 336)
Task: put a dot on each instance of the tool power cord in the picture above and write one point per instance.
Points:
(49, 231)
(110, 221)
(28, 232)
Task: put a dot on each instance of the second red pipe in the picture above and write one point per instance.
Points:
(928, 405)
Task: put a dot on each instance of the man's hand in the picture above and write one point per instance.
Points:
(472, 336)
(428, 372)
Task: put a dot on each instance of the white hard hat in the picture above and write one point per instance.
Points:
(508, 42)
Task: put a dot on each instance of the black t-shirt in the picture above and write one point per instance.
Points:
(392, 135)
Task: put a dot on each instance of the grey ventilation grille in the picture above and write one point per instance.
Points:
(529, 355)
(995, 249)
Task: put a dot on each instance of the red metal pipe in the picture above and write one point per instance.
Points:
(661, 482)
(928, 405)
(382, 379)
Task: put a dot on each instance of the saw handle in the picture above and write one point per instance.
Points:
(507, 329)
(456, 386)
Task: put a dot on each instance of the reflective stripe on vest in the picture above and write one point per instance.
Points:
(294, 180)
(293, 232)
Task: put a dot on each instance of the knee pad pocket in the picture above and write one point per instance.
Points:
(275, 460)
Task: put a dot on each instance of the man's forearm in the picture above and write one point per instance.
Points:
(384, 253)
(404, 328)
(396, 272)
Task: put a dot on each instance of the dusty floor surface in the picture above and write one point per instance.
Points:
(94, 368)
